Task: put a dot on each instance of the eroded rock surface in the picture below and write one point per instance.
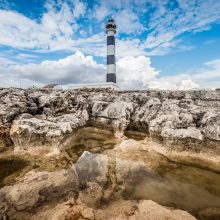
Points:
(169, 127)
(122, 210)
(45, 118)
(35, 189)
(127, 210)
(96, 184)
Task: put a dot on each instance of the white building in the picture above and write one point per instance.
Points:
(109, 85)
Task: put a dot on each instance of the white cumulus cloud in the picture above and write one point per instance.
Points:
(135, 72)
(187, 84)
(76, 68)
(177, 82)
(53, 32)
(72, 69)
(132, 72)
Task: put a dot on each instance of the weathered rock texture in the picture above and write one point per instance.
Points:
(94, 180)
(183, 125)
(36, 189)
(44, 119)
(122, 210)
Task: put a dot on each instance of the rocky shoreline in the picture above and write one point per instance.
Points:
(179, 127)
(43, 120)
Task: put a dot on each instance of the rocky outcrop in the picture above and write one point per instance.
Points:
(35, 190)
(115, 115)
(14, 102)
(121, 210)
(181, 126)
(32, 134)
(125, 210)
(95, 180)
(5, 140)
(43, 119)
(142, 210)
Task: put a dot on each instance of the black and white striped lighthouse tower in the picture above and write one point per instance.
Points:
(111, 31)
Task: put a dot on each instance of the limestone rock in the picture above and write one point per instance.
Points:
(174, 117)
(30, 133)
(182, 133)
(117, 114)
(148, 209)
(128, 210)
(211, 123)
(41, 121)
(5, 140)
(120, 210)
(14, 102)
(144, 114)
(36, 188)
(92, 195)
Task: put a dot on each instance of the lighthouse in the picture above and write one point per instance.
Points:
(111, 70)
(110, 83)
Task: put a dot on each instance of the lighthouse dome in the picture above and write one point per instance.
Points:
(111, 25)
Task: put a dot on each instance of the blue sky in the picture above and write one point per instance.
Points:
(163, 44)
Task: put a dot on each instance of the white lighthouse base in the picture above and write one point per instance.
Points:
(108, 85)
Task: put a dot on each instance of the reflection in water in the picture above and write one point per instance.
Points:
(89, 139)
(178, 186)
(14, 167)
(169, 184)
(173, 193)
(137, 175)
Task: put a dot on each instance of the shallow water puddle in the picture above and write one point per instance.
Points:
(135, 176)
(192, 189)
(13, 167)
(167, 183)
